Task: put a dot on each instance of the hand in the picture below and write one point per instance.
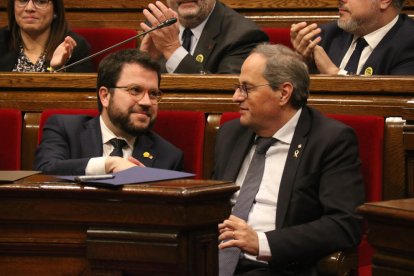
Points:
(235, 232)
(302, 37)
(323, 62)
(115, 164)
(63, 53)
(164, 40)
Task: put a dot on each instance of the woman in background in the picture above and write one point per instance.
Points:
(37, 39)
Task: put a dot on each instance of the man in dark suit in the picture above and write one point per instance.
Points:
(311, 183)
(219, 39)
(121, 137)
(388, 48)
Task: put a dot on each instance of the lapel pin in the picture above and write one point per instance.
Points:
(147, 155)
(200, 58)
(296, 153)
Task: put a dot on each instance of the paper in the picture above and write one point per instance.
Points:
(135, 175)
(11, 176)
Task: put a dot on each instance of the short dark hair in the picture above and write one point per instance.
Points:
(398, 4)
(59, 28)
(111, 66)
(285, 65)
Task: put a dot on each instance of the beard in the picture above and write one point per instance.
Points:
(349, 26)
(124, 122)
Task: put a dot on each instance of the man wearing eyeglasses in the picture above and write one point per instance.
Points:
(299, 173)
(121, 137)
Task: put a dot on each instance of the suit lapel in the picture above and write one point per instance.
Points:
(241, 147)
(144, 150)
(292, 162)
(91, 138)
(207, 40)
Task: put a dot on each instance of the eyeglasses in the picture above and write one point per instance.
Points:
(40, 4)
(138, 92)
(246, 89)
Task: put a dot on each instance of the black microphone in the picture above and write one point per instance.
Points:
(166, 23)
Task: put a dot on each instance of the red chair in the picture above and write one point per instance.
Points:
(278, 35)
(102, 38)
(10, 139)
(184, 129)
(370, 133)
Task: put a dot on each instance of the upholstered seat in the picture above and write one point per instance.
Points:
(10, 139)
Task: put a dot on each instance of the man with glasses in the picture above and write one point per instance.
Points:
(121, 137)
(299, 173)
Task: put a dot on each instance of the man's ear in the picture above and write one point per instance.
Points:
(286, 90)
(104, 96)
(384, 4)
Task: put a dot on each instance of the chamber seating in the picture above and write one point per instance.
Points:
(10, 139)
(102, 38)
(370, 133)
(184, 129)
(278, 35)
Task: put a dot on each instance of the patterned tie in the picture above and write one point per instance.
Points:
(118, 145)
(229, 257)
(352, 65)
(187, 34)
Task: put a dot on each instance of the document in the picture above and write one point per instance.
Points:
(11, 176)
(134, 175)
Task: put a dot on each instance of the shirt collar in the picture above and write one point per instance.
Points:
(107, 134)
(374, 38)
(198, 29)
(285, 133)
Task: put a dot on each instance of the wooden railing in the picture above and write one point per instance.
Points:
(389, 97)
(128, 13)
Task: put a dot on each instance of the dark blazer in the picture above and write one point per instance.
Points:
(8, 57)
(69, 141)
(320, 188)
(226, 41)
(394, 55)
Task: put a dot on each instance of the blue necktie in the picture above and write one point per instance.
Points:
(229, 257)
(352, 65)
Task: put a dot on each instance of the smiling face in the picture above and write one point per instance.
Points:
(359, 17)
(260, 110)
(191, 13)
(122, 113)
(33, 20)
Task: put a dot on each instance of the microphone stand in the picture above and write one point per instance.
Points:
(159, 26)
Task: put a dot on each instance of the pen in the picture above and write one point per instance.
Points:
(84, 178)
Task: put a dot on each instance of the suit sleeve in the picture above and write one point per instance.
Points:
(82, 50)
(53, 155)
(328, 221)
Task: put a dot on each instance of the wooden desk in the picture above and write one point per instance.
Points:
(391, 233)
(49, 227)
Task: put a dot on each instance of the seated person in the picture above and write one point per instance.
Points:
(299, 173)
(121, 137)
(382, 38)
(38, 38)
(209, 38)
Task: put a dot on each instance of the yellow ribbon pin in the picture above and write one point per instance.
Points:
(147, 155)
(368, 71)
(200, 58)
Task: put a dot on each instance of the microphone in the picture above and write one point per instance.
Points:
(166, 23)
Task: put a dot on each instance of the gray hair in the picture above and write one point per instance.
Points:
(398, 4)
(285, 65)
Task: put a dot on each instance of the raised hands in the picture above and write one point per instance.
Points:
(63, 53)
(163, 41)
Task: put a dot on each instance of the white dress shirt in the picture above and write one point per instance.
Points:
(373, 39)
(262, 216)
(96, 165)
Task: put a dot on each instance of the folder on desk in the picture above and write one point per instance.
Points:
(135, 175)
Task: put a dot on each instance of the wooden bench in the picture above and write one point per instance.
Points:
(389, 97)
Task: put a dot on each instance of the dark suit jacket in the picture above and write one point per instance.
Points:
(8, 57)
(226, 41)
(69, 141)
(394, 55)
(319, 190)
